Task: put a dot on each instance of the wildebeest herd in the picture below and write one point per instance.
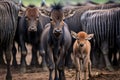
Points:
(89, 32)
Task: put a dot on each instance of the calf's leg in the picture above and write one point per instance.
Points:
(89, 69)
(78, 68)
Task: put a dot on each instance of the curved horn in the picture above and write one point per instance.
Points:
(20, 2)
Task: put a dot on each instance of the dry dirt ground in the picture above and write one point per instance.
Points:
(38, 74)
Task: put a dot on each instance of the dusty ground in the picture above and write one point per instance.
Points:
(38, 74)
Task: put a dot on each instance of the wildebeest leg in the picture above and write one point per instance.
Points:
(14, 51)
(23, 54)
(85, 67)
(50, 74)
(101, 60)
(68, 59)
(61, 74)
(104, 49)
(110, 55)
(23, 59)
(119, 60)
(44, 58)
(115, 61)
(1, 58)
(43, 62)
(89, 69)
(8, 59)
(56, 73)
(85, 74)
(23, 62)
(113, 53)
(78, 67)
(56, 67)
(61, 63)
(94, 57)
(50, 63)
(34, 61)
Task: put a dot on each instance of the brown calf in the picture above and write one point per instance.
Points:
(81, 52)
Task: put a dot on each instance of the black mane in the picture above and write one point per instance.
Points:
(92, 2)
(110, 2)
(58, 6)
(31, 6)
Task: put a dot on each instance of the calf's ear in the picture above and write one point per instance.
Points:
(68, 13)
(74, 34)
(89, 36)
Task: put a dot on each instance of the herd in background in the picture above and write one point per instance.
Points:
(89, 32)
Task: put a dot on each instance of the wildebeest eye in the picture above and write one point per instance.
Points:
(77, 38)
(78, 41)
(26, 18)
(37, 18)
(50, 19)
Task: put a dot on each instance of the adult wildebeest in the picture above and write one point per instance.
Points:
(81, 52)
(56, 40)
(105, 26)
(29, 31)
(74, 22)
(1, 53)
(90, 3)
(43, 3)
(8, 23)
(109, 2)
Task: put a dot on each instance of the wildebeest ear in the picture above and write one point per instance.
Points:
(68, 13)
(21, 11)
(74, 34)
(45, 12)
(90, 36)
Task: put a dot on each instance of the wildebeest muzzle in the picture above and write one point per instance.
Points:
(32, 28)
(57, 32)
(81, 45)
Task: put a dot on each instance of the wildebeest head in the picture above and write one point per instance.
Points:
(31, 15)
(81, 37)
(57, 15)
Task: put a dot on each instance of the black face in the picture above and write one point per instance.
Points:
(32, 19)
(57, 23)
(32, 23)
(57, 29)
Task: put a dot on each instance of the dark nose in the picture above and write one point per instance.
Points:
(57, 31)
(81, 45)
(32, 28)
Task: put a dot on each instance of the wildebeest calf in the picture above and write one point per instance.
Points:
(56, 40)
(29, 31)
(81, 51)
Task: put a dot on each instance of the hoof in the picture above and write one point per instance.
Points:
(23, 70)
(56, 79)
(45, 69)
(110, 68)
(32, 64)
(15, 65)
(8, 77)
